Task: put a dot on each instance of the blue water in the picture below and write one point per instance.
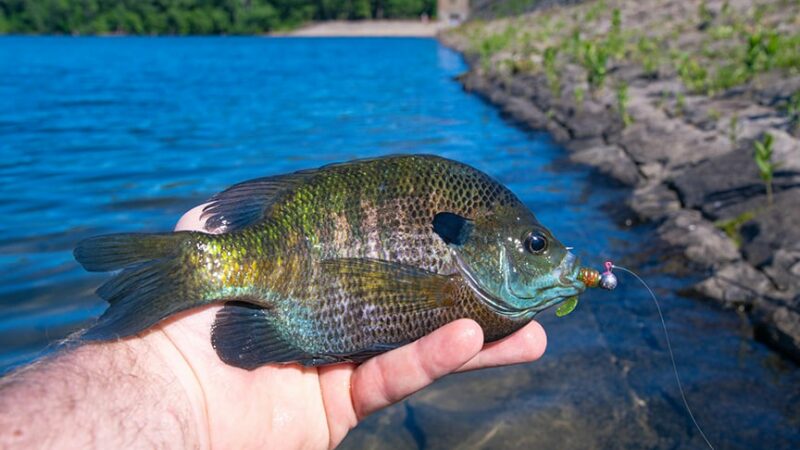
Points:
(124, 134)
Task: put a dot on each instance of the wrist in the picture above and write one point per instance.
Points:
(167, 359)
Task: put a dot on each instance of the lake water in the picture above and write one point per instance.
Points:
(124, 134)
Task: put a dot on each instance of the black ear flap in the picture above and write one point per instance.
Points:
(452, 228)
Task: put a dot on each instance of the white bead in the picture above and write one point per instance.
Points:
(608, 281)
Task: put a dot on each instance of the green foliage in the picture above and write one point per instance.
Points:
(191, 16)
(594, 58)
(549, 62)
(704, 14)
(793, 110)
(622, 104)
(762, 47)
(647, 53)
(594, 12)
(493, 43)
(732, 226)
(733, 129)
(763, 159)
(680, 103)
(692, 73)
(615, 44)
(579, 94)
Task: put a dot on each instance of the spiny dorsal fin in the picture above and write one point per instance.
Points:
(248, 202)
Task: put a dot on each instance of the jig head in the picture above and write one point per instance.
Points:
(593, 278)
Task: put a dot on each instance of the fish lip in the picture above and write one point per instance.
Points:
(567, 270)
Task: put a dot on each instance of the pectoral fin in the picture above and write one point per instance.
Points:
(378, 281)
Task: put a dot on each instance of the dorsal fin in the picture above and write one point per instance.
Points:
(246, 203)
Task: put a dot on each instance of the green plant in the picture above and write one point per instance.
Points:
(763, 159)
(549, 62)
(733, 129)
(647, 52)
(714, 114)
(762, 47)
(493, 43)
(614, 44)
(704, 14)
(692, 73)
(731, 227)
(680, 103)
(793, 110)
(594, 12)
(622, 104)
(579, 94)
(594, 57)
(520, 65)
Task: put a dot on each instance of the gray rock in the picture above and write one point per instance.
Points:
(785, 269)
(609, 160)
(654, 201)
(721, 186)
(700, 241)
(774, 228)
(591, 119)
(779, 326)
(526, 113)
(655, 138)
(737, 283)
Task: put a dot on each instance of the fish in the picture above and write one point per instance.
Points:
(340, 263)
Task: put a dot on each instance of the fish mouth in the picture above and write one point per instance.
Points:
(567, 270)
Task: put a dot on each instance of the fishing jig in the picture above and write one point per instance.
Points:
(593, 278)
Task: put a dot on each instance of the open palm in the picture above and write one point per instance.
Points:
(292, 406)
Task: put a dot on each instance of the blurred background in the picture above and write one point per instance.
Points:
(619, 134)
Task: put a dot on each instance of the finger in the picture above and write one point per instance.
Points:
(193, 220)
(525, 345)
(391, 377)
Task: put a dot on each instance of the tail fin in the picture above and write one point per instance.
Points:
(156, 280)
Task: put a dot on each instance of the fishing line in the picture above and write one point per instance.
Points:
(669, 348)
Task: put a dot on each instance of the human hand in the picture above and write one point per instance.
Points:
(314, 407)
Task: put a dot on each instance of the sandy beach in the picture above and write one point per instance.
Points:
(371, 28)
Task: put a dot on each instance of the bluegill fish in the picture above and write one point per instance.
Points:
(341, 263)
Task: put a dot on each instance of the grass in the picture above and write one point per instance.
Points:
(792, 110)
(549, 62)
(731, 45)
(622, 104)
(732, 227)
(763, 158)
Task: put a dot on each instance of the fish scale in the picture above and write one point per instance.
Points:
(340, 263)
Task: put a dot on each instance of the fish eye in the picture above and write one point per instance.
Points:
(536, 243)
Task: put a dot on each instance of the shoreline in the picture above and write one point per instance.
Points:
(687, 176)
(369, 28)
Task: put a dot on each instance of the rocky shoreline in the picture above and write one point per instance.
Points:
(688, 160)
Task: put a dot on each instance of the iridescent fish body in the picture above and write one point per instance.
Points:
(340, 263)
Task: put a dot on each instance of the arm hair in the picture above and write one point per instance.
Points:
(122, 394)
